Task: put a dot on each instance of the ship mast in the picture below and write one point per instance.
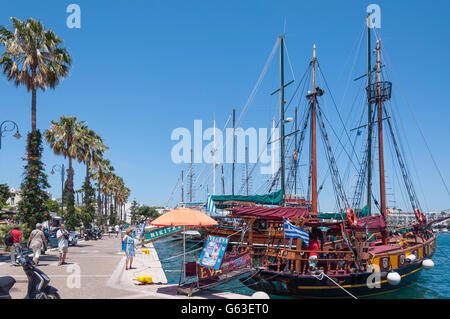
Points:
(182, 186)
(282, 117)
(313, 136)
(214, 158)
(380, 137)
(234, 150)
(369, 123)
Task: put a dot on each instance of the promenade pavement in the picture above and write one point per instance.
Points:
(96, 270)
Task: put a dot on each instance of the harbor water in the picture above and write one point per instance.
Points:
(431, 284)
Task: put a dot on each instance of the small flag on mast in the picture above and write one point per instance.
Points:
(290, 231)
(210, 207)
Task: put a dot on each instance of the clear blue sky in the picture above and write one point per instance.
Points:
(143, 68)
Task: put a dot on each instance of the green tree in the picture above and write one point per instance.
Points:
(52, 206)
(147, 212)
(32, 207)
(5, 194)
(112, 220)
(134, 211)
(88, 204)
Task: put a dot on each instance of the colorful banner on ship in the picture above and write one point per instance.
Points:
(212, 253)
(161, 233)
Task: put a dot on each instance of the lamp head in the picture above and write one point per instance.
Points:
(17, 135)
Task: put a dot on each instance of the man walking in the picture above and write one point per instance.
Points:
(117, 229)
(63, 243)
(16, 248)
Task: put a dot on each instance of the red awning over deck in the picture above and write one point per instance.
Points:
(273, 213)
(375, 223)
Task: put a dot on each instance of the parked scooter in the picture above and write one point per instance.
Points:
(98, 233)
(73, 239)
(90, 235)
(38, 287)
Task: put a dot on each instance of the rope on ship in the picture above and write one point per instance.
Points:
(320, 277)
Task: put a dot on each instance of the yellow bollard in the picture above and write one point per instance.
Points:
(145, 279)
(141, 279)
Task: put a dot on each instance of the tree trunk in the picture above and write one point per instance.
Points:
(106, 204)
(87, 178)
(71, 199)
(99, 206)
(115, 207)
(33, 101)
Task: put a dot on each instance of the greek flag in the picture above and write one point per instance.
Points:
(143, 230)
(210, 208)
(291, 231)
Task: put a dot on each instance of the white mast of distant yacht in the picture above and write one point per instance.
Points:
(272, 151)
(214, 157)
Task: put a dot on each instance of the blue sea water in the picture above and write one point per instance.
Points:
(431, 284)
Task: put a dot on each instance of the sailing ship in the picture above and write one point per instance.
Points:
(358, 255)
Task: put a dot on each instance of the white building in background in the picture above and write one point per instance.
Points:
(396, 217)
(13, 201)
(437, 215)
(401, 218)
(127, 210)
(15, 198)
(162, 210)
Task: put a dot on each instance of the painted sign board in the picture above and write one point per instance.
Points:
(162, 232)
(212, 253)
(230, 262)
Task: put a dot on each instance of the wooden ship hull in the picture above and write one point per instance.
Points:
(359, 284)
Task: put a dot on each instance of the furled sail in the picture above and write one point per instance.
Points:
(274, 198)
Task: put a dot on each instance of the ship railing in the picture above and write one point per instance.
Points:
(297, 261)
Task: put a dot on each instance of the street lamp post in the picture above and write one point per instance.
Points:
(5, 128)
(60, 169)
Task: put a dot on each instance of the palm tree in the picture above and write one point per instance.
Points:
(108, 187)
(122, 197)
(119, 192)
(102, 167)
(65, 138)
(90, 151)
(33, 57)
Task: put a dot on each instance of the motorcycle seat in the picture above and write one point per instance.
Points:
(6, 283)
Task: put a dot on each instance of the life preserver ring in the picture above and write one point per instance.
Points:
(351, 216)
(388, 212)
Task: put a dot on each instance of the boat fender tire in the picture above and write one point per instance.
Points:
(394, 278)
(427, 264)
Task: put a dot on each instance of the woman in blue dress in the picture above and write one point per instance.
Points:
(129, 247)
